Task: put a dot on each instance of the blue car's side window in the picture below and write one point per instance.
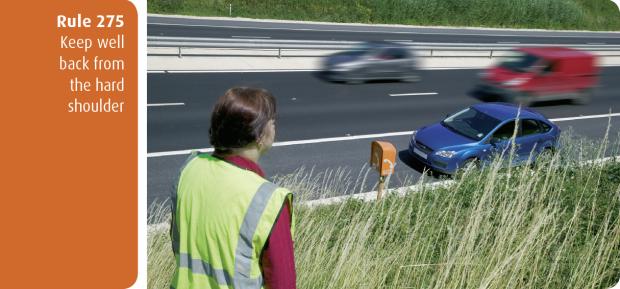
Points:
(544, 126)
(505, 132)
(530, 127)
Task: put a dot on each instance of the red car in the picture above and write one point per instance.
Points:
(541, 74)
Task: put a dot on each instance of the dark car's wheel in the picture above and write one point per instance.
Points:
(355, 78)
(411, 78)
(354, 81)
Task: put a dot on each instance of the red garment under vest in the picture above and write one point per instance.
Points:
(277, 260)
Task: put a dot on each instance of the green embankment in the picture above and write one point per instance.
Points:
(553, 225)
(544, 14)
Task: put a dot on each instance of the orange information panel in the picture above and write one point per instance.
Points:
(70, 144)
(382, 157)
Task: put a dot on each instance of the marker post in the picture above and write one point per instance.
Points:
(383, 159)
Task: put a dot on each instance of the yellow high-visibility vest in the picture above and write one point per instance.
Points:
(222, 218)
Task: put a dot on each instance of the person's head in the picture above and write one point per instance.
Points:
(243, 118)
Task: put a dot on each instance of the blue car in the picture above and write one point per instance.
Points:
(478, 133)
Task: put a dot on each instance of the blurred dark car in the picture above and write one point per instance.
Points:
(372, 61)
(541, 74)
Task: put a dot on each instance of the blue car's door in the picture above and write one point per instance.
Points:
(501, 143)
(528, 143)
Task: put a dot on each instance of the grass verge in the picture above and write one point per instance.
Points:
(544, 14)
(555, 224)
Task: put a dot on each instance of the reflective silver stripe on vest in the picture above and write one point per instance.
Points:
(198, 266)
(245, 248)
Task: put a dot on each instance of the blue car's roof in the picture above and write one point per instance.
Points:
(503, 111)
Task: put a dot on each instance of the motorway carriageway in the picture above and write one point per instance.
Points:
(239, 29)
(312, 109)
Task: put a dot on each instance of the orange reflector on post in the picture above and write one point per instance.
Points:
(383, 157)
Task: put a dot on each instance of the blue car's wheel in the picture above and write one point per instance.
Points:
(470, 164)
(544, 157)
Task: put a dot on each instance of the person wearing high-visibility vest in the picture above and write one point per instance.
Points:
(231, 228)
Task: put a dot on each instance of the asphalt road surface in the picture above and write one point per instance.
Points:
(194, 27)
(310, 108)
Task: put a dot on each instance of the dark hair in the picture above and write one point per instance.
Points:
(239, 117)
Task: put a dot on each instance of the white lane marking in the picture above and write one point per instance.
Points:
(166, 104)
(290, 143)
(411, 94)
(344, 138)
(257, 37)
(179, 152)
(584, 117)
(379, 31)
(366, 136)
(398, 40)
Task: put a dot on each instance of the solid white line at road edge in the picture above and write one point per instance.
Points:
(166, 104)
(289, 143)
(355, 137)
(251, 37)
(412, 94)
(584, 117)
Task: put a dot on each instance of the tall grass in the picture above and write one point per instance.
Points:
(553, 14)
(555, 224)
